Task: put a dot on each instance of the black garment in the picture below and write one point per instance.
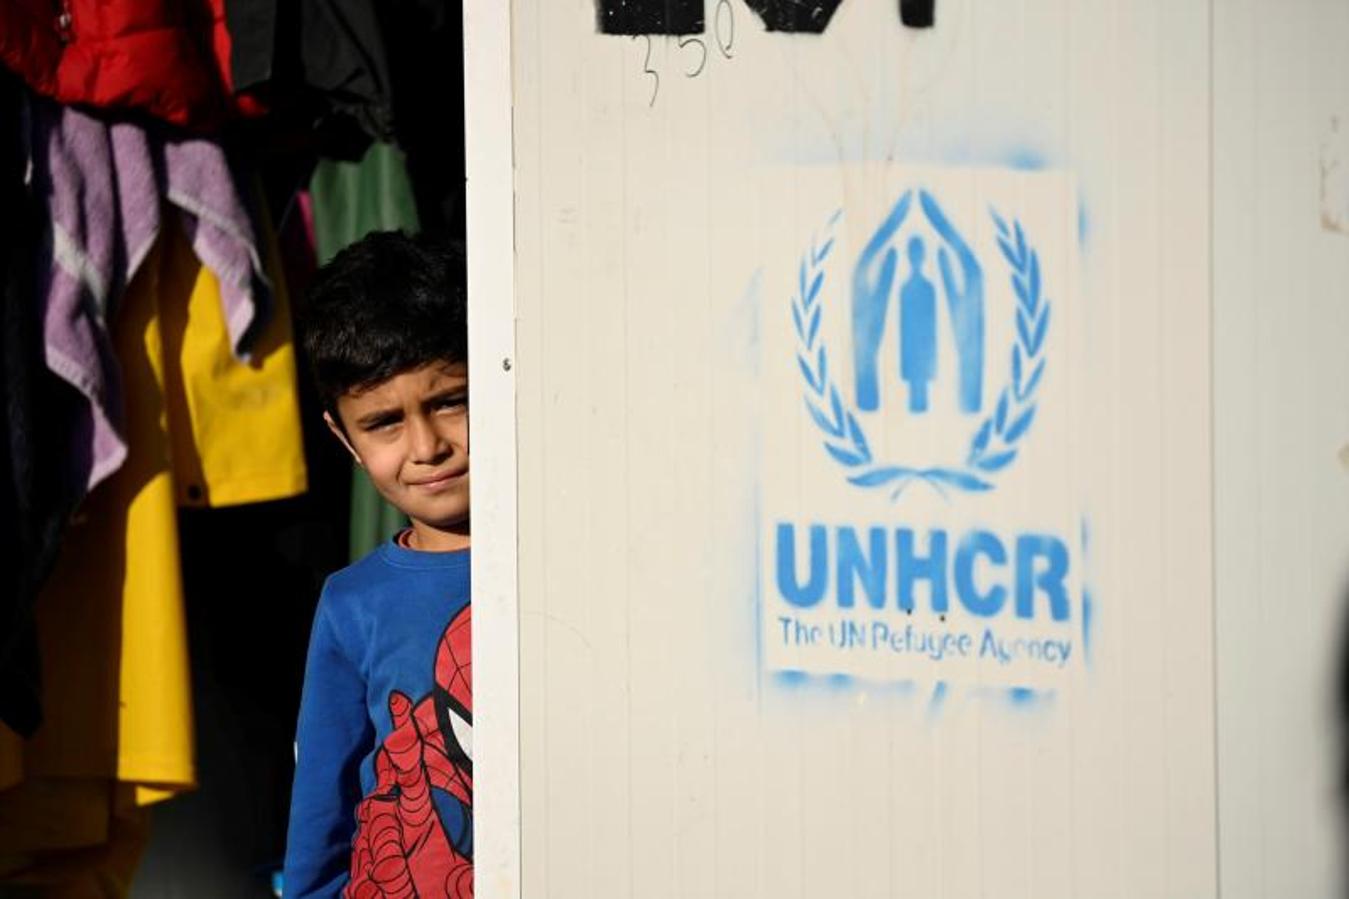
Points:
(331, 51)
(343, 72)
(252, 25)
(37, 492)
(426, 43)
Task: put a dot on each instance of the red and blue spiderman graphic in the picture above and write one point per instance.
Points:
(413, 832)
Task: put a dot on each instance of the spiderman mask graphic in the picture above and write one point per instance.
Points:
(413, 831)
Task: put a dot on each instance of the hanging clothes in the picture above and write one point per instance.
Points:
(111, 619)
(246, 703)
(349, 201)
(118, 730)
(237, 437)
(100, 867)
(331, 49)
(36, 412)
(361, 68)
(102, 185)
(161, 57)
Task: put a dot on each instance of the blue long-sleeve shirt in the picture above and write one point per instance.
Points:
(384, 743)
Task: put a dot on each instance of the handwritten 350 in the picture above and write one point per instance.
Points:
(723, 31)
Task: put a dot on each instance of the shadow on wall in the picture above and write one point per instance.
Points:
(1342, 717)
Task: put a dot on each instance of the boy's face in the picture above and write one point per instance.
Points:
(410, 433)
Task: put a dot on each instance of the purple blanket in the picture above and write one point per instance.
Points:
(104, 184)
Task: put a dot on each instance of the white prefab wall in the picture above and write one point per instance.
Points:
(675, 737)
(1281, 419)
(649, 727)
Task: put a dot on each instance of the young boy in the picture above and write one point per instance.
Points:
(383, 796)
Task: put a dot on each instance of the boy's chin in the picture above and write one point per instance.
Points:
(450, 524)
(442, 513)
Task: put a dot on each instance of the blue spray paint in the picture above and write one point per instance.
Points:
(1025, 159)
(1030, 549)
(873, 281)
(965, 302)
(930, 568)
(802, 595)
(873, 286)
(797, 681)
(854, 564)
(1022, 696)
(934, 705)
(1088, 597)
(918, 329)
(1037, 568)
(985, 603)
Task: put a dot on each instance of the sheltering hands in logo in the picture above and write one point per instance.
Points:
(873, 284)
(965, 302)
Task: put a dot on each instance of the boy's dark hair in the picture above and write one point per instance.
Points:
(384, 305)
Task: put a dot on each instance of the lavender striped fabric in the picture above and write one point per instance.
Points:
(104, 184)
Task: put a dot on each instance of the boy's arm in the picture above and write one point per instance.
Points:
(333, 735)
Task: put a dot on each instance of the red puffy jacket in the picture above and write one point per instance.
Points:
(168, 58)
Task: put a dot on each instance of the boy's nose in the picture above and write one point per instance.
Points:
(427, 444)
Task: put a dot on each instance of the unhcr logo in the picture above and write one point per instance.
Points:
(920, 506)
(882, 291)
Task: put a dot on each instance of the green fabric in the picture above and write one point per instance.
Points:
(373, 519)
(351, 199)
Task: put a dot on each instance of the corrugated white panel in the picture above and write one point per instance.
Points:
(659, 757)
(1281, 100)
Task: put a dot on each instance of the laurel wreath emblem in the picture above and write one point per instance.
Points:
(994, 445)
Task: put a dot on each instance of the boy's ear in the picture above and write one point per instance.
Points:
(341, 435)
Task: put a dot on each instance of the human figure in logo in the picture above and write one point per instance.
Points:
(872, 291)
(917, 329)
(965, 302)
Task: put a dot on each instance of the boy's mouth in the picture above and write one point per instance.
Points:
(440, 482)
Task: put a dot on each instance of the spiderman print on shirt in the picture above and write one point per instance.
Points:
(404, 846)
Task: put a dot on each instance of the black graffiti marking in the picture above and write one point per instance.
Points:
(647, 70)
(917, 13)
(724, 45)
(808, 16)
(684, 17)
(642, 17)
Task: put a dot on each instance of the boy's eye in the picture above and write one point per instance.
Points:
(452, 402)
(381, 423)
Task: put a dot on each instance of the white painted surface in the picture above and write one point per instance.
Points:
(491, 322)
(655, 758)
(1281, 418)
